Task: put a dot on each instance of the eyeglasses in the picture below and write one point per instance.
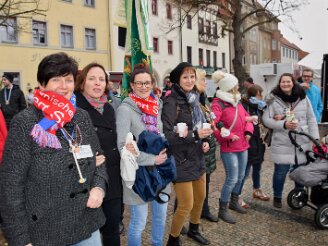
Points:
(139, 84)
(307, 76)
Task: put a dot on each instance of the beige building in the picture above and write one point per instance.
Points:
(79, 28)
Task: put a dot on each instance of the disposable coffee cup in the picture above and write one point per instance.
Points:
(255, 119)
(181, 128)
(206, 126)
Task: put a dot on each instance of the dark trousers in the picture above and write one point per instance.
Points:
(206, 208)
(110, 231)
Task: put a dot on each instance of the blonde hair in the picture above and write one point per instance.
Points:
(200, 75)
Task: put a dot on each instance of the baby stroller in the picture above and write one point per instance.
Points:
(314, 177)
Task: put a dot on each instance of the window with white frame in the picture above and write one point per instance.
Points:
(66, 36)
(274, 44)
(8, 31)
(89, 3)
(170, 47)
(168, 11)
(154, 7)
(90, 39)
(189, 26)
(39, 31)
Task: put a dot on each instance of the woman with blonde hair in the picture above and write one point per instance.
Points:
(210, 156)
(233, 135)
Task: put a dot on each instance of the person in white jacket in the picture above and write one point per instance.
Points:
(288, 109)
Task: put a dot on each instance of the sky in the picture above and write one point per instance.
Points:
(311, 22)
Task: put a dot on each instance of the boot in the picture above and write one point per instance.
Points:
(277, 202)
(184, 230)
(195, 234)
(174, 241)
(234, 204)
(224, 215)
(210, 217)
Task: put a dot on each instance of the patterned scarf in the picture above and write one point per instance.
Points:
(149, 109)
(57, 112)
(198, 117)
(98, 104)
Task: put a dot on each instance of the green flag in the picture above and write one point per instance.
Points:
(138, 46)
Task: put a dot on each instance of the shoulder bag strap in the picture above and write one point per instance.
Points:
(234, 119)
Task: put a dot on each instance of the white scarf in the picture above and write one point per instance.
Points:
(228, 97)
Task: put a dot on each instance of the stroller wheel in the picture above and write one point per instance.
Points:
(321, 217)
(297, 198)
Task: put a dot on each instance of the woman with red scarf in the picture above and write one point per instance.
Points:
(51, 186)
(138, 112)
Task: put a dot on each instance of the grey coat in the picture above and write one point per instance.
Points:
(128, 119)
(282, 150)
(41, 201)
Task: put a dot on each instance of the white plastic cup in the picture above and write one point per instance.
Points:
(255, 119)
(206, 126)
(181, 128)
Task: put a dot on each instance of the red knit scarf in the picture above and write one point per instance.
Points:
(148, 106)
(57, 112)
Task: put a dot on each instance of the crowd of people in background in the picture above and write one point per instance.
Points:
(61, 146)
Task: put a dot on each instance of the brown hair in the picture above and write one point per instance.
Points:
(140, 68)
(80, 81)
(307, 70)
(253, 90)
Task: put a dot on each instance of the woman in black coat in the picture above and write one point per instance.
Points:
(254, 105)
(91, 96)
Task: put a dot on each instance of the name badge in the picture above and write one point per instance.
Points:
(85, 151)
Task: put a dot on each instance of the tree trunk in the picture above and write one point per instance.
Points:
(237, 42)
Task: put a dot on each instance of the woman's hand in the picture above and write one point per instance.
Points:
(278, 117)
(161, 158)
(234, 138)
(205, 147)
(247, 137)
(130, 147)
(100, 159)
(290, 125)
(96, 197)
(204, 132)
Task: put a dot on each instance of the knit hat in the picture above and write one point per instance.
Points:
(177, 71)
(9, 76)
(225, 81)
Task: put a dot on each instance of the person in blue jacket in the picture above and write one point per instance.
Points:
(312, 92)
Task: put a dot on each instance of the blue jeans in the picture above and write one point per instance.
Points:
(138, 220)
(279, 177)
(255, 175)
(94, 240)
(234, 165)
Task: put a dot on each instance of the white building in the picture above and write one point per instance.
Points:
(198, 42)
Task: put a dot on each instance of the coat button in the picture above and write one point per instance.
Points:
(114, 148)
(70, 166)
(34, 217)
(85, 191)
(96, 128)
(72, 195)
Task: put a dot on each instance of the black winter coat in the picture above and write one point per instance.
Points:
(105, 126)
(41, 200)
(16, 103)
(187, 151)
(210, 156)
(257, 147)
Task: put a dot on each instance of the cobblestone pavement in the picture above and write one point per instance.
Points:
(262, 225)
